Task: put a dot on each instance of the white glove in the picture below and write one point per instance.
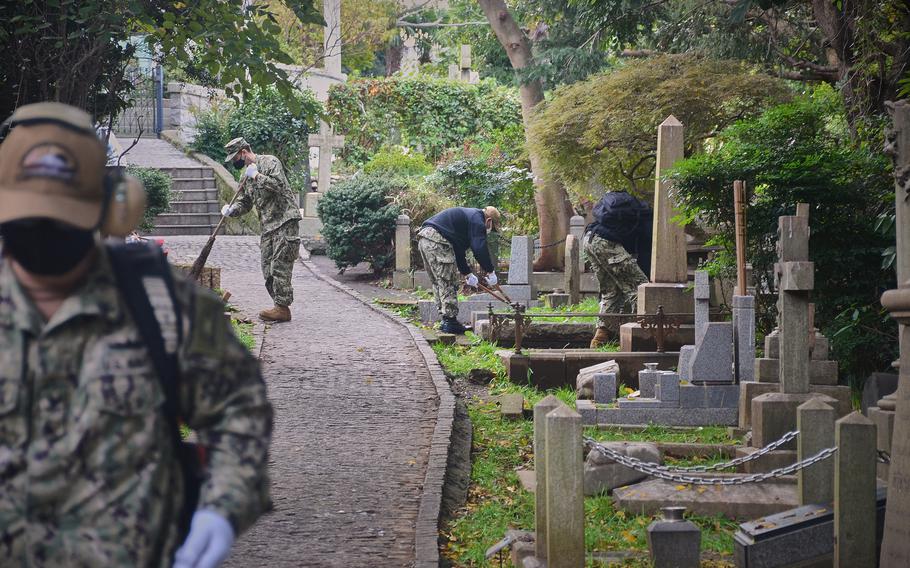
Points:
(491, 279)
(252, 171)
(471, 280)
(209, 542)
(227, 210)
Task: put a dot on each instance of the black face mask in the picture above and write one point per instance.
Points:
(239, 163)
(44, 246)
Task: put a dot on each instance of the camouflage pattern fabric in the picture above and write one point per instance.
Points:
(271, 194)
(439, 260)
(617, 273)
(279, 250)
(87, 469)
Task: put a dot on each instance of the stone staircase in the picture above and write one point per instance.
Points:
(195, 209)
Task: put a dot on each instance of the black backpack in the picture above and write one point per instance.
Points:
(132, 262)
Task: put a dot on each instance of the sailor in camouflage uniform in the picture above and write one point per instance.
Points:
(88, 474)
(443, 241)
(621, 227)
(267, 188)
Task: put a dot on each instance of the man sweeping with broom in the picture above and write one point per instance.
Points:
(266, 187)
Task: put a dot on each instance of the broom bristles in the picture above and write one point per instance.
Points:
(199, 264)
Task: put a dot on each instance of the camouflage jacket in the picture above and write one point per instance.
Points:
(87, 469)
(272, 195)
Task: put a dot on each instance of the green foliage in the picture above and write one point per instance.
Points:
(269, 123)
(425, 114)
(602, 132)
(802, 152)
(76, 52)
(420, 201)
(398, 161)
(359, 222)
(157, 193)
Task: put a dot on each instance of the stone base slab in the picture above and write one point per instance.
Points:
(668, 416)
(749, 390)
(741, 502)
(675, 298)
(820, 372)
(774, 414)
(633, 338)
(554, 368)
(310, 226)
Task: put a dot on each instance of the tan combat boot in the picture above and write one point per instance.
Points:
(600, 338)
(276, 314)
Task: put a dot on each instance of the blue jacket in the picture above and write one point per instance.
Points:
(464, 228)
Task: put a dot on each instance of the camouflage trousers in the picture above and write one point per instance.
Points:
(279, 250)
(617, 273)
(439, 261)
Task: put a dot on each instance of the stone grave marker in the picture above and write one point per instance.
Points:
(573, 269)
(854, 493)
(326, 141)
(541, 409)
(565, 489)
(667, 286)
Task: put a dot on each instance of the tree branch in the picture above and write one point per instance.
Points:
(438, 24)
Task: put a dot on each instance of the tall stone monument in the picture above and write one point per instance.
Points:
(774, 413)
(896, 541)
(667, 286)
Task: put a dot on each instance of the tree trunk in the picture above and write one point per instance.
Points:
(393, 58)
(553, 207)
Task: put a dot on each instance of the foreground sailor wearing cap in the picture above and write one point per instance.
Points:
(89, 473)
(443, 241)
(266, 187)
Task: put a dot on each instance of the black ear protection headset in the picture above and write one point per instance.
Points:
(124, 196)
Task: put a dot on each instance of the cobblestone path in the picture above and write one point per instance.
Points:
(355, 410)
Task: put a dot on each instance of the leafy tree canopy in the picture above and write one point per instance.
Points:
(428, 115)
(602, 132)
(802, 152)
(76, 52)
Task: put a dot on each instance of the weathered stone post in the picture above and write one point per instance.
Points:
(854, 492)
(795, 275)
(577, 229)
(565, 489)
(573, 269)
(815, 421)
(541, 409)
(744, 337)
(402, 277)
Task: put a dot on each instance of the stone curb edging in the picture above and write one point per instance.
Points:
(426, 545)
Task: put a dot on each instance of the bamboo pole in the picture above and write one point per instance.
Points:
(739, 205)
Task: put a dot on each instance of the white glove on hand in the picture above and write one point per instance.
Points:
(491, 279)
(471, 280)
(227, 210)
(209, 542)
(252, 171)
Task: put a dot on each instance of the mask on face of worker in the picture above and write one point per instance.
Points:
(239, 163)
(44, 246)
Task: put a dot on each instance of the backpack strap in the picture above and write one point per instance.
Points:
(136, 267)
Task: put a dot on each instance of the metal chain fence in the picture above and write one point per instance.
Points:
(662, 472)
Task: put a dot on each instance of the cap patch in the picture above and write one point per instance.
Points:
(49, 160)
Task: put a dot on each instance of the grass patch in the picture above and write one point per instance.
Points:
(244, 331)
(496, 500)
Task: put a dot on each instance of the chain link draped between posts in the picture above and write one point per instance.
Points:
(671, 474)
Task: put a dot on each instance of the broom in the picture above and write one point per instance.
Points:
(196, 270)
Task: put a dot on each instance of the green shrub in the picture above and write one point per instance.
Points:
(359, 221)
(269, 124)
(157, 192)
(398, 161)
(803, 152)
(420, 201)
(426, 114)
